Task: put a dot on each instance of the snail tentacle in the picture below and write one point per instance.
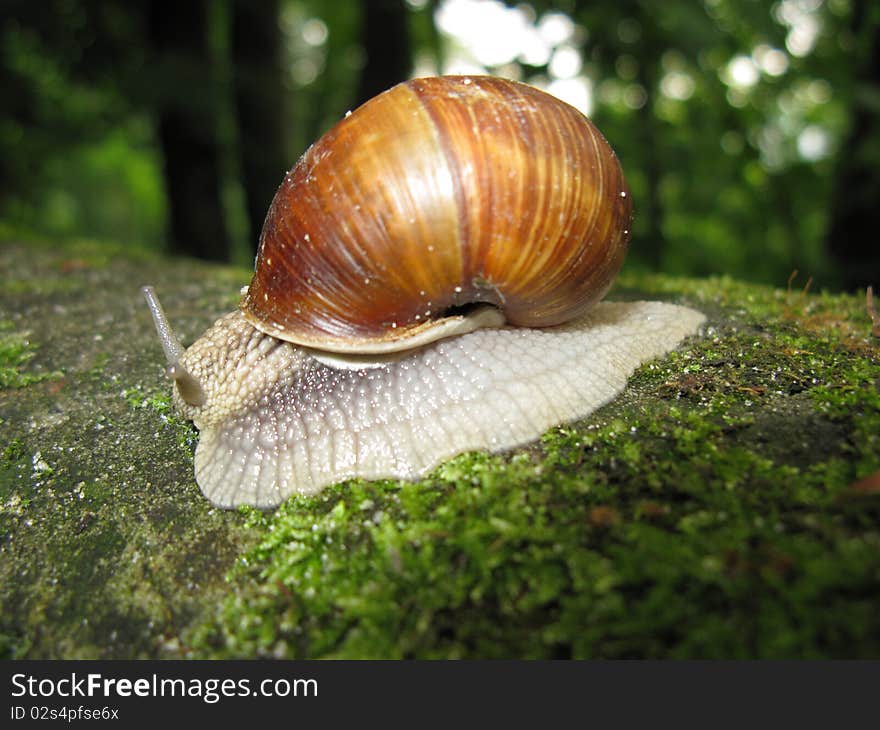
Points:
(187, 384)
(190, 389)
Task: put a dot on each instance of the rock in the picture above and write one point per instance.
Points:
(743, 444)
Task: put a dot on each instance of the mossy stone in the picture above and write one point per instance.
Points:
(715, 509)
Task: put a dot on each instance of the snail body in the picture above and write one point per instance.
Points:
(426, 284)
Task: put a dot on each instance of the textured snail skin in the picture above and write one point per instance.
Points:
(277, 421)
(437, 193)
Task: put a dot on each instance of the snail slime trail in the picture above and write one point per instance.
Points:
(427, 283)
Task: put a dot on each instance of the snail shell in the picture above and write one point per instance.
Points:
(437, 193)
(468, 206)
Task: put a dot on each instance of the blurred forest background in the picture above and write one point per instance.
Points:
(747, 128)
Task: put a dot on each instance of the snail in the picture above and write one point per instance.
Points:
(426, 284)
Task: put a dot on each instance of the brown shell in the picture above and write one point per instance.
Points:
(438, 193)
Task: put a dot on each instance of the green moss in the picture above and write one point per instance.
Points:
(13, 451)
(16, 351)
(136, 398)
(13, 462)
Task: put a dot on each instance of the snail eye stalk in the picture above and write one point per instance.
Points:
(187, 384)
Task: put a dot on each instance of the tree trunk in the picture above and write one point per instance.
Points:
(259, 105)
(386, 43)
(187, 128)
(650, 133)
(855, 214)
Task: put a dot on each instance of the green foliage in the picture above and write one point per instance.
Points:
(717, 175)
(735, 196)
(77, 156)
(111, 189)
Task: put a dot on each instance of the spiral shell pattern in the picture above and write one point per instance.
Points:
(436, 194)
